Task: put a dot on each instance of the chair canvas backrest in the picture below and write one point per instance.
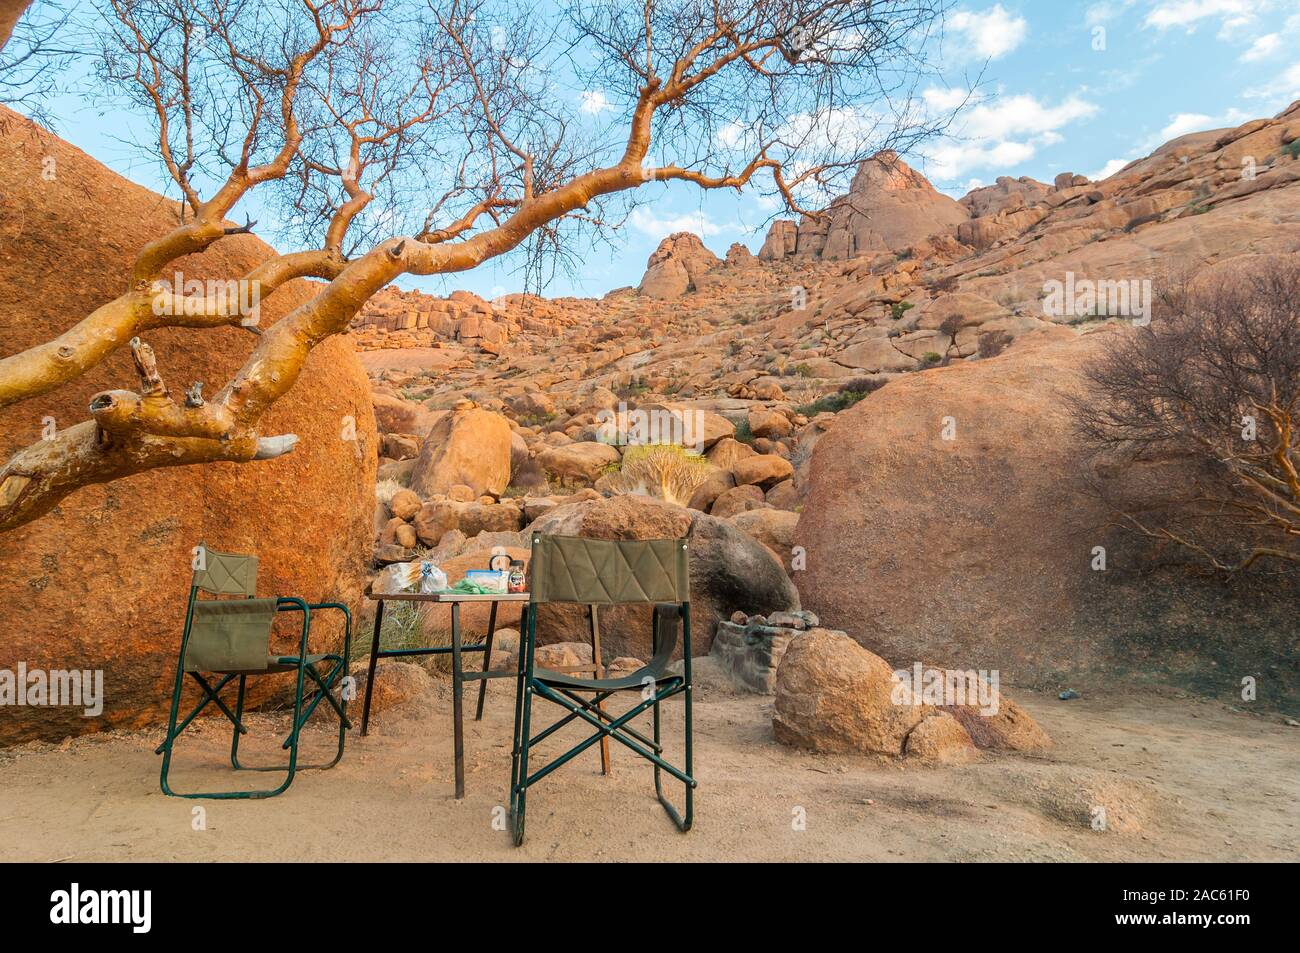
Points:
(228, 634)
(226, 574)
(608, 571)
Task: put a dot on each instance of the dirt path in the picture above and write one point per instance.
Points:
(1179, 779)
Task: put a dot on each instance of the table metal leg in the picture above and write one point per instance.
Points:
(370, 673)
(487, 661)
(456, 701)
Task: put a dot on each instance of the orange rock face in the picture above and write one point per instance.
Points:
(101, 581)
(975, 548)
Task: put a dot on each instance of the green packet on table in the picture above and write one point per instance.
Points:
(478, 582)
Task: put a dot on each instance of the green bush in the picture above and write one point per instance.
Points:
(833, 403)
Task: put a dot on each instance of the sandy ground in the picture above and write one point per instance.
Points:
(1179, 779)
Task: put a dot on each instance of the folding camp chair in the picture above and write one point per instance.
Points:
(596, 572)
(231, 638)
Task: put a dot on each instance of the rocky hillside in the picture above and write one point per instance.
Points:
(896, 277)
(894, 281)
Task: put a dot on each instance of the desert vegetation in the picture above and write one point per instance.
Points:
(1213, 382)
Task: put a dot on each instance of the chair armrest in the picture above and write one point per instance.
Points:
(295, 604)
(347, 624)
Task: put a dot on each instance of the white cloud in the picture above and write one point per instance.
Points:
(1232, 14)
(595, 102)
(1284, 88)
(992, 33)
(657, 227)
(1021, 115)
(1105, 11)
(1109, 169)
(1002, 133)
(1184, 123)
(945, 100)
(1263, 47)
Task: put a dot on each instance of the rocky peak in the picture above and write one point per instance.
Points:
(889, 207)
(885, 171)
(676, 265)
(1005, 193)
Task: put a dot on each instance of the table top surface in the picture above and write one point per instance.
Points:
(448, 596)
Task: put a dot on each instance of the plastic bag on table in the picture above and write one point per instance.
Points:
(432, 579)
(397, 577)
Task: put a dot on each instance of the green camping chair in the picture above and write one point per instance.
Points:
(231, 638)
(596, 572)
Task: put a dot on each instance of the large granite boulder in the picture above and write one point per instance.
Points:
(100, 582)
(979, 549)
(468, 446)
(578, 464)
(832, 695)
(676, 265)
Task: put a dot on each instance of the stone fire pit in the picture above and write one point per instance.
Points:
(749, 648)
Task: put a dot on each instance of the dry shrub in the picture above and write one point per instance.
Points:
(1213, 382)
(665, 471)
(993, 343)
(385, 490)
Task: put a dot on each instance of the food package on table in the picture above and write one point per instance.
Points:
(488, 580)
(398, 577)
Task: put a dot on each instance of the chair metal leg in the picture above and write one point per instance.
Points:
(237, 719)
(239, 715)
(599, 673)
(519, 703)
(685, 821)
(370, 672)
(519, 790)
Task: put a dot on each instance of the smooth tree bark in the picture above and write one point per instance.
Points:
(395, 138)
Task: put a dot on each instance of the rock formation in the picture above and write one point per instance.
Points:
(889, 207)
(467, 447)
(975, 544)
(677, 266)
(101, 582)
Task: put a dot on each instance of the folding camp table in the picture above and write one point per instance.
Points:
(455, 650)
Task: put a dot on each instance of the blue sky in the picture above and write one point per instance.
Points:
(1065, 86)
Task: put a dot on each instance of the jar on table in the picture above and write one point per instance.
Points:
(517, 581)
